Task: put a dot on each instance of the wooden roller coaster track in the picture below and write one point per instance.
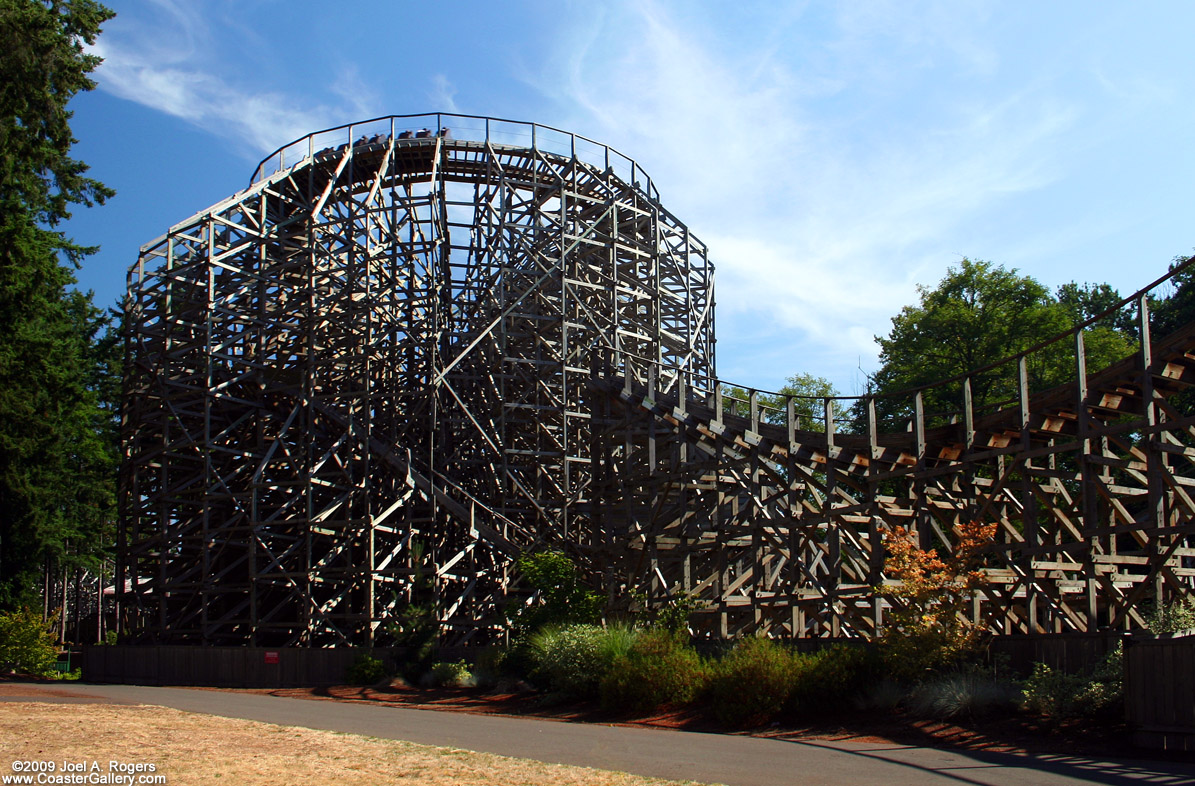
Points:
(392, 364)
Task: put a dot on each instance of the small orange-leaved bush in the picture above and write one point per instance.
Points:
(927, 627)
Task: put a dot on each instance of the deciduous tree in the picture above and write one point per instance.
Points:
(978, 314)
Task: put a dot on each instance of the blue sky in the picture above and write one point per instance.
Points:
(832, 155)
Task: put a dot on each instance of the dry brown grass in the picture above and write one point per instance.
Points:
(202, 749)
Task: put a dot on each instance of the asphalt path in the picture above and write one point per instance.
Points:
(711, 758)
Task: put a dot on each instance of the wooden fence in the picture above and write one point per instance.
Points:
(1070, 652)
(224, 667)
(1159, 690)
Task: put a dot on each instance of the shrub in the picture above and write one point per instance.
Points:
(365, 670)
(884, 696)
(828, 678)
(963, 694)
(1051, 692)
(560, 599)
(572, 660)
(1172, 618)
(491, 666)
(658, 669)
(415, 625)
(752, 682)
(451, 675)
(673, 615)
(565, 659)
(27, 644)
(1058, 695)
(928, 630)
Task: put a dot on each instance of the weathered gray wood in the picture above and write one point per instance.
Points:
(420, 357)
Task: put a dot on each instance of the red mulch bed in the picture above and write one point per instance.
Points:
(1006, 734)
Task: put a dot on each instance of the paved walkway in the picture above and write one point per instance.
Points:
(711, 758)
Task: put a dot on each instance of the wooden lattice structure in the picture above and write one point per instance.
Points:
(779, 529)
(398, 360)
(375, 361)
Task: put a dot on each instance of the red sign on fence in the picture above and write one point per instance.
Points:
(271, 656)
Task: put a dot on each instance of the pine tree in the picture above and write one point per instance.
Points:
(56, 349)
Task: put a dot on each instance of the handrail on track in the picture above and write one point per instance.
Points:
(711, 385)
(492, 130)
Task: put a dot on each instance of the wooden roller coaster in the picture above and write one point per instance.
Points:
(396, 361)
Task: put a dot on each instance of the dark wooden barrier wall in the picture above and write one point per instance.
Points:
(1159, 691)
(223, 667)
(1070, 652)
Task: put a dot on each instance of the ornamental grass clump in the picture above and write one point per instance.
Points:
(752, 683)
(571, 660)
(659, 669)
(965, 694)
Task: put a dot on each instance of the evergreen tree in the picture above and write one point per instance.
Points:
(56, 349)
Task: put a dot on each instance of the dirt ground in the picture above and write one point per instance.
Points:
(200, 749)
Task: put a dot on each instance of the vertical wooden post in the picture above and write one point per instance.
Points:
(925, 530)
(1028, 500)
(1155, 521)
(875, 534)
(833, 533)
(1090, 526)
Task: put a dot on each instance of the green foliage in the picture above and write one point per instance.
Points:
(572, 660)
(826, 679)
(59, 360)
(1176, 307)
(1052, 692)
(659, 669)
(561, 598)
(752, 683)
(978, 314)
(492, 665)
(416, 629)
(365, 670)
(964, 694)
(808, 392)
(1087, 301)
(1058, 695)
(1173, 617)
(445, 674)
(27, 644)
(672, 616)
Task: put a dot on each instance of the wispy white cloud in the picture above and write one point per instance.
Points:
(823, 229)
(170, 62)
(356, 94)
(261, 121)
(443, 95)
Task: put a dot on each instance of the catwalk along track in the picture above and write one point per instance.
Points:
(401, 357)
